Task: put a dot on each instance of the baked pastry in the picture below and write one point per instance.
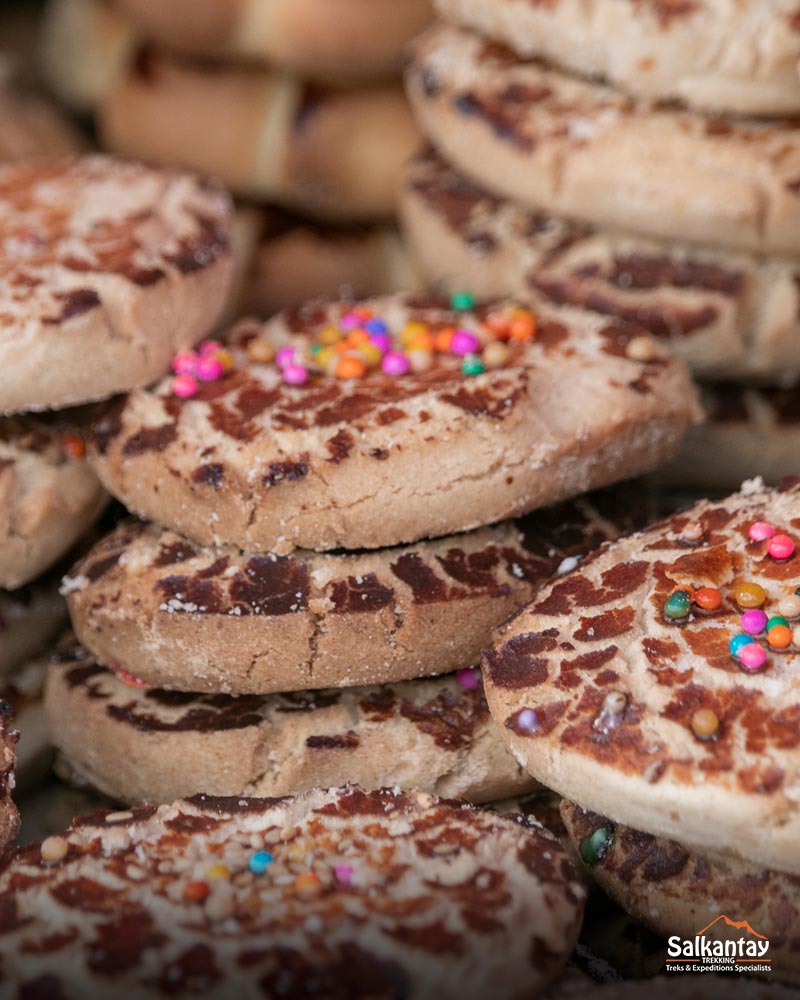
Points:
(587, 152)
(650, 684)
(30, 128)
(335, 153)
(278, 454)
(48, 496)
(394, 892)
(730, 315)
(220, 620)
(30, 618)
(110, 268)
(140, 744)
(710, 54)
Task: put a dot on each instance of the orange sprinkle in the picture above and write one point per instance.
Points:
(420, 342)
(522, 327)
(499, 325)
(443, 340)
(708, 598)
(779, 637)
(195, 892)
(73, 446)
(363, 312)
(307, 884)
(350, 368)
(358, 337)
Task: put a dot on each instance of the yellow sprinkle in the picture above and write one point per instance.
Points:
(260, 351)
(705, 723)
(370, 354)
(218, 871)
(330, 335)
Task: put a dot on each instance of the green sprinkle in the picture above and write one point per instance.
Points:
(462, 300)
(777, 620)
(315, 349)
(595, 847)
(473, 365)
(678, 605)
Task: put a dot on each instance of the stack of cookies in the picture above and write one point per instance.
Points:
(640, 160)
(327, 546)
(107, 268)
(656, 689)
(296, 106)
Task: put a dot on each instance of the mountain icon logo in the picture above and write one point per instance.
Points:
(737, 925)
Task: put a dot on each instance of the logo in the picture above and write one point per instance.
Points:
(725, 945)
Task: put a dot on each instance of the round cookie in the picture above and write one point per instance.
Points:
(584, 151)
(372, 461)
(295, 261)
(84, 48)
(710, 54)
(220, 620)
(395, 893)
(139, 744)
(30, 128)
(336, 154)
(623, 695)
(29, 619)
(23, 693)
(729, 315)
(746, 432)
(110, 268)
(9, 817)
(48, 496)
(676, 892)
(333, 40)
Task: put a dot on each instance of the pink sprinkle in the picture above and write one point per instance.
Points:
(184, 386)
(752, 657)
(382, 341)
(208, 347)
(464, 342)
(209, 369)
(350, 321)
(285, 356)
(344, 874)
(184, 364)
(468, 677)
(295, 375)
(527, 720)
(760, 531)
(781, 547)
(395, 363)
(754, 621)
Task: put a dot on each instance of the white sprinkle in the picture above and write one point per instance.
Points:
(568, 565)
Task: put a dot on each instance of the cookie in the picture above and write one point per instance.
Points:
(729, 315)
(29, 619)
(338, 41)
(336, 154)
(110, 268)
(404, 895)
(619, 687)
(22, 691)
(220, 620)
(9, 817)
(295, 260)
(48, 496)
(268, 459)
(579, 149)
(676, 892)
(141, 744)
(30, 128)
(710, 55)
(746, 432)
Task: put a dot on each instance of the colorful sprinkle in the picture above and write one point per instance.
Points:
(218, 871)
(708, 598)
(468, 677)
(395, 363)
(462, 301)
(495, 354)
(209, 369)
(259, 862)
(183, 364)
(261, 352)
(184, 386)
(307, 884)
(472, 365)
(421, 361)
(208, 347)
(781, 547)
(376, 326)
(350, 367)
(789, 606)
(196, 891)
(53, 849)
(750, 595)
(344, 874)
(737, 644)
(641, 348)
(130, 679)
(760, 531)
(73, 446)
(779, 636)
(678, 605)
(285, 356)
(596, 846)
(693, 532)
(753, 657)
(705, 724)
(295, 375)
(463, 342)
(754, 621)
(527, 720)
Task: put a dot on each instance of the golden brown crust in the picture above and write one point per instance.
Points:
(597, 690)
(731, 316)
(400, 892)
(148, 745)
(380, 460)
(116, 264)
(677, 892)
(585, 151)
(222, 620)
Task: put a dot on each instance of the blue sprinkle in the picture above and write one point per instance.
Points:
(260, 861)
(738, 642)
(376, 326)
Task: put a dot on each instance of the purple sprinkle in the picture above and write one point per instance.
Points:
(344, 874)
(350, 321)
(295, 375)
(527, 720)
(208, 369)
(382, 341)
(464, 342)
(285, 356)
(395, 363)
(468, 677)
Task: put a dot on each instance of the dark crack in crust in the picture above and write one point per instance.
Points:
(110, 913)
(601, 629)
